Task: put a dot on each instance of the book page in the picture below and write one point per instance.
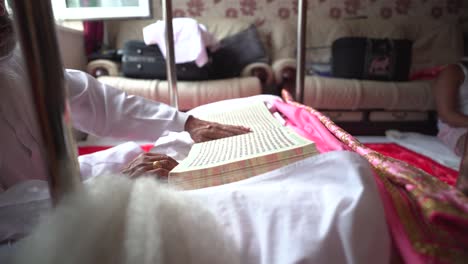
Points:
(255, 116)
(247, 146)
(269, 146)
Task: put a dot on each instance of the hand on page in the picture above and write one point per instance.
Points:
(202, 131)
(151, 164)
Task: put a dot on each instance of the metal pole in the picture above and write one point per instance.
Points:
(170, 58)
(36, 28)
(301, 40)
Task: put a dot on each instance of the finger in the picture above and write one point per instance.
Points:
(138, 168)
(217, 133)
(229, 127)
(153, 157)
(236, 129)
(202, 138)
(139, 157)
(157, 157)
(152, 154)
(168, 164)
(137, 172)
(163, 160)
(161, 172)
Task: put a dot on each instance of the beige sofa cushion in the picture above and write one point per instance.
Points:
(191, 94)
(351, 94)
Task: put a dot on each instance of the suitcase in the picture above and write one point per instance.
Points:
(371, 59)
(147, 62)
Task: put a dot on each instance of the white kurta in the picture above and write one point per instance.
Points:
(96, 108)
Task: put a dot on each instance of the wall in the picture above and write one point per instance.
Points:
(266, 13)
(71, 46)
(266, 10)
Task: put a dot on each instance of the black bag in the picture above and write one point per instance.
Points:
(371, 59)
(147, 62)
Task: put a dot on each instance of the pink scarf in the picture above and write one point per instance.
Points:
(427, 218)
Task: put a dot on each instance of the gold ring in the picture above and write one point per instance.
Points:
(157, 164)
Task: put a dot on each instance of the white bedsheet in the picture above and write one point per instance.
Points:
(324, 209)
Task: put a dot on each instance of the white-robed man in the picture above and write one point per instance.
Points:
(95, 108)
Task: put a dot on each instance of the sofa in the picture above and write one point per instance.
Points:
(255, 78)
(371, 107)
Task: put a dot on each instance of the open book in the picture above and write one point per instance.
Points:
(269, 146)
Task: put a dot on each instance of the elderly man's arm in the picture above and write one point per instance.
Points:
(103, 110)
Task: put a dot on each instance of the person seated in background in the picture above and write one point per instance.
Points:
(451, 98)
(95, 108)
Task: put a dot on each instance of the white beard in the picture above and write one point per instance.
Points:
(118, 220)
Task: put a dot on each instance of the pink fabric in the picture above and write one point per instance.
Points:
(427, 218)
(426, 74)
(397, 230)
(423, 162)
(308, 126)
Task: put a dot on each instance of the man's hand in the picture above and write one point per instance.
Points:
(158, 165)
(201, 130)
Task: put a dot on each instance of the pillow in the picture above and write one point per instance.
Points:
(237, 51)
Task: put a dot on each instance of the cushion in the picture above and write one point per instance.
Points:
(191, 94)
(237, 51)
(352, 94)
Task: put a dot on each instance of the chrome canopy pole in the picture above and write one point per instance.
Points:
(170, 57)
(301, 40)
(36, 29)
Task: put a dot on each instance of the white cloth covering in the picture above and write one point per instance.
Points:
(190, 39)
(324, 209)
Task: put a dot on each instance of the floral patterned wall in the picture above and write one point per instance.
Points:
(336, 9)
(268, 13)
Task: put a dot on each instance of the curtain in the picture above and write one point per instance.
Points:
(93, 35)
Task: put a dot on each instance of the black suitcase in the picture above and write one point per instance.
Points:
(371, 59)
(147, 62)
